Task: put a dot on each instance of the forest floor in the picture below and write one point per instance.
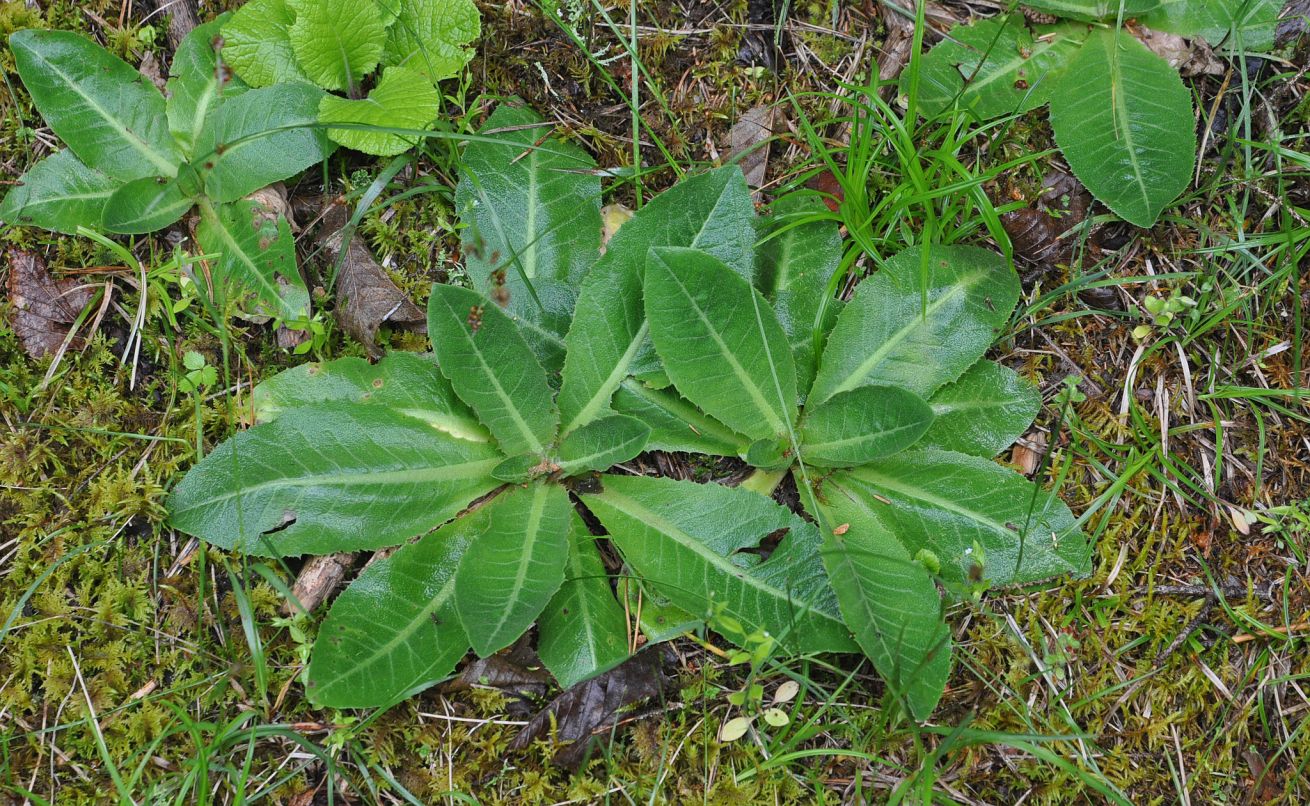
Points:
(1175, 673)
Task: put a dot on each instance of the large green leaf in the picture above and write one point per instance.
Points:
(603, 443)
(513, 568)
(1123, 120)
(257, 252)
(1095, 10)
(492, 369)
(863, 424)
(983, 412)
(530, 206)
(151, 203)
(403, 99)
(888, 600)
(410, 383)
(675, 424)
(712, 212)
(583, 631)
(197, 83)
(327, 478)
(261, 137)
(995, 66)
(947, 502)
(59, 193)
(694, 542)
(257, 43)
(432, 36)
(1231, 25)
(721, 343)
(395, 629)
(336, 42)
(887, 334)
(109, 114)
(800, 251)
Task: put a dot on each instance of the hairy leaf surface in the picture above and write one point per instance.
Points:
(983, 412)
(603, 443)
(676, 425)
(866, 423)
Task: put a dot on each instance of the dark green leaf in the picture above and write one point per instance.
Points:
(675, 424)
(59, 193)
(258, 253)
(1094, 10)
(983, 412)
(197, 83)
(149, 204)
(863, 424)
(1230, 25)
(603, 443)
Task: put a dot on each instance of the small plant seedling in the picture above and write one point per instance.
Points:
(200, 374)
(700, 329)
(337, 44)
(1121, 115)
(136, 162)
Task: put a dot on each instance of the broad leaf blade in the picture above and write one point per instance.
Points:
(996, 66)
(109, 114)
(260, 137)
(887, 335)
(403, 99)
(867, 423)
(603, 443)
(492, 369)
(59, 193)
(336, 42)
(258, 252)
(409, 383)
(198, 83)
(1230, 25)
(148, 204)
(432, 36)
(721, 343)
(513, 568)
(675, 424)
(1123, 120)
(889, 601)
(530, 205)
(583, 631)
(328, 478)
(712, 212)
(946, 502)
(983, 412)
(395, 629)
(257, 43)
(692, 542)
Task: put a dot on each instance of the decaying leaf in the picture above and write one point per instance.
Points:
(1190, 57)
(593, 707)
(748, 144)
(366, 296)
(1036, 231)
(612, 216)
(42, 309)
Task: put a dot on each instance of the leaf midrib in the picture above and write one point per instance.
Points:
(531, 537)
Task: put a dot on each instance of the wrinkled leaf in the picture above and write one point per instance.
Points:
(327, 478)
(432, 36)
(867, 423)
(110, 115)
(402, 99)
(983, 412)
(59, 193)
(257, 43)
(257, 252)
(336, 42)
(603, 443)
(41, 308)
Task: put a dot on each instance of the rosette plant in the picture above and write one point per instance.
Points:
(700, 328)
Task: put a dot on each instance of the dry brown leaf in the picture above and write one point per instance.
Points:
(42, 309)
(1028, 452)
(748, 143)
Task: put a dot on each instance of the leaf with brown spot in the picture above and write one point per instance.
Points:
(42, 309)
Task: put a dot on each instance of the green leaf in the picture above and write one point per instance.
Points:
(1094, 10)
(995, 66)
(261, 137)
(432, 36)
(888, 600)
(328, 478)
(983, 412)
(886, 335)
(197, 84)
(492, 369)
(712, 212)
(409, 383)
(721, 343)
(530, 206)
(403, 99)
(583, 631)
(59, 193)
(675, 424)
(395, 629)
(1230, 25)
(1123, 120)
(258, 253)
(800, 251)
(109, 114)
(257, 44)
(947, 502)
(513, 568)
(603, 443)
(692, 542)
(655, 616)
(863, 424)
(149, 204)
(336, 42)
